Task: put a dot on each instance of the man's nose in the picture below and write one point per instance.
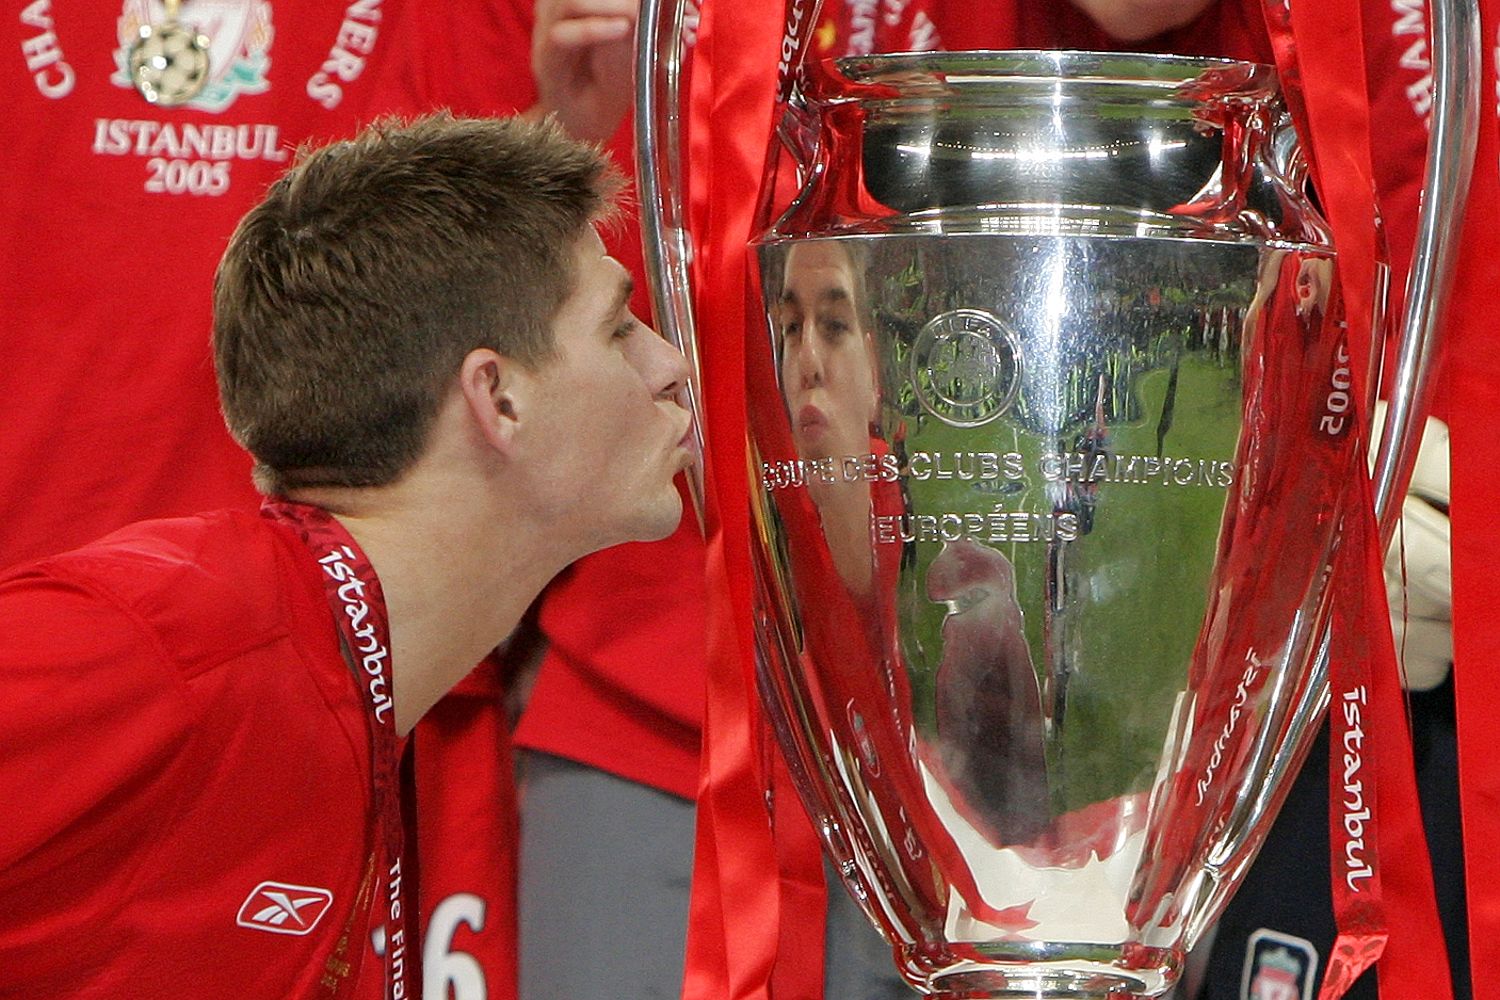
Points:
(810, 361)
(673, 369)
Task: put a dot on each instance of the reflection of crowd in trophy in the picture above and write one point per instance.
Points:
(1148, 328)
(829, 379)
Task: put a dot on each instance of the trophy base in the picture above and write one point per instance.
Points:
(1033, 985)
(1057, 972)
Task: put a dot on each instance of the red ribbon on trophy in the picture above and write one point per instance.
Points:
(1340, 154)
(1357, 694)
(736, 908)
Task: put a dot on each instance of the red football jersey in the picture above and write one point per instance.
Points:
(187, 759)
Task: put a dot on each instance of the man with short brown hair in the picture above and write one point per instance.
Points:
(490, 216)
(205, 716)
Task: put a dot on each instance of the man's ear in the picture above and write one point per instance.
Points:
(495, 390)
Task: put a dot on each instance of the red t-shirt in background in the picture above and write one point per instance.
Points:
(117, 211)
(621, 685)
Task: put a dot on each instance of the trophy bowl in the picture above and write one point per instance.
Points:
(1051, 417)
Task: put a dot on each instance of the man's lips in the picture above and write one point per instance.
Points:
(811, 419)
(686, 441)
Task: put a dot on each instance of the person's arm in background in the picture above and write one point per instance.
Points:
(581, 54)
(1133, 20)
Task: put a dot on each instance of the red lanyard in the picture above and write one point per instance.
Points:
(358, 605)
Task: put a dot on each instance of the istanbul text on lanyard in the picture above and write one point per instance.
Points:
(358, 606)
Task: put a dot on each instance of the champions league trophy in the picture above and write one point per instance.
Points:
(1050, 415)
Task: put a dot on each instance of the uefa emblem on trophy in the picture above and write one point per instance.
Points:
(1049, 407)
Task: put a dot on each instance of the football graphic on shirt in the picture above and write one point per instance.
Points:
(239, 37)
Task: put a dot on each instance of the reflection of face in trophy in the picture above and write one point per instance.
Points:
(828, 379)
(1314, 279)
(978, 741)
(827, 359)
(986, 747)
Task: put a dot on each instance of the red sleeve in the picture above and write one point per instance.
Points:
(92, 715)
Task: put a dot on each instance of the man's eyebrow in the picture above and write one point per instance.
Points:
(833, 293)
(621, 300)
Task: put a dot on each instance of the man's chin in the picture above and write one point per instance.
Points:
(662, 519)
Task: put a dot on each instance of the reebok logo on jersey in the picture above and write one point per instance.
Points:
(284, 909)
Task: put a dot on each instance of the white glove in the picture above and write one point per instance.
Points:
(1422, 617)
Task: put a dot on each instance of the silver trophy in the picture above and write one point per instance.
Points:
(1050, 414)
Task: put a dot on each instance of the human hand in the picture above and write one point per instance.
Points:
(1133, 20)
(581, 56)
(1422, 614)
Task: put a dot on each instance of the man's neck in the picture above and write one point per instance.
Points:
(456, 577)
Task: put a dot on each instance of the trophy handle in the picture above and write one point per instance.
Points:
(1445, 191)
(660, 173)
